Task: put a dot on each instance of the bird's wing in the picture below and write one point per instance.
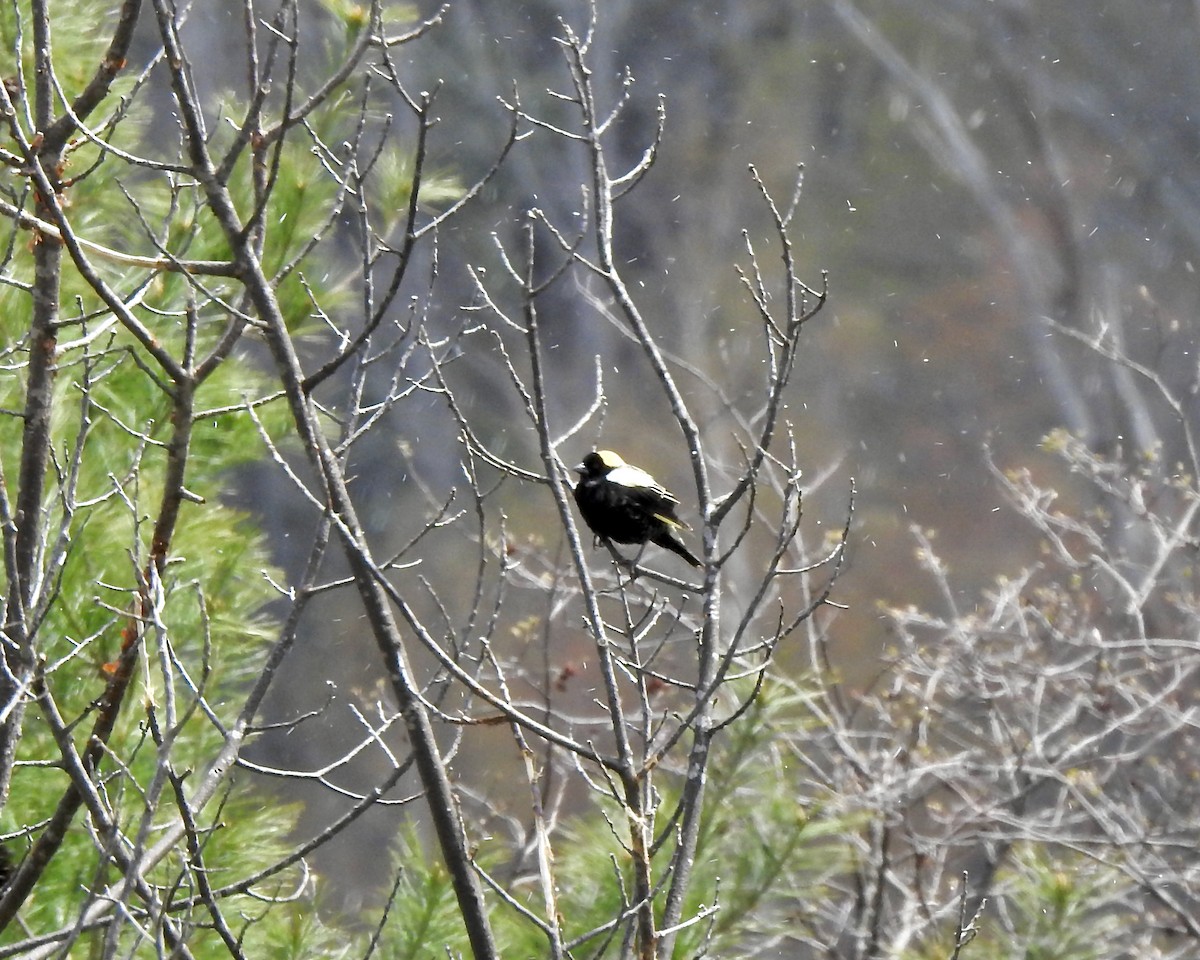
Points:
(672, 521)
(628, 475)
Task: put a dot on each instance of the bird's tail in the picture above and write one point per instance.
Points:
(668, 542)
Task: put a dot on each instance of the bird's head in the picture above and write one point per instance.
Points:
(598, 463)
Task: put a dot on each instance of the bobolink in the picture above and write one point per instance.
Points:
(623, 503)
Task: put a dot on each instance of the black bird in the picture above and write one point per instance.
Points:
(623, 503)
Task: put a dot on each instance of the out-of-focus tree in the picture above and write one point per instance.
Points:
(984, 180)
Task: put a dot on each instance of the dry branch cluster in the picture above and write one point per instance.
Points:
(187, 294)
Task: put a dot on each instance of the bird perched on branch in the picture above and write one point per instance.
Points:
(623, 503)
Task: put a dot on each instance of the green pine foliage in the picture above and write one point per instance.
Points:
(771, 843)
(423, 919)
(111, 419)
(1048, 904)
(769, 851)
(213, 612)
(112, 416)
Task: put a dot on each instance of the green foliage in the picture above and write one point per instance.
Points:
(392, 188)
(423, 922)
(767, 851)
(769, 845)
(215, 631)
(77, 49)
(1049, 905)
(112, 416)
(214, 594)
(354, 16)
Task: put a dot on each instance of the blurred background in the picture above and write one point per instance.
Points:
(989, 184)
(979, 175)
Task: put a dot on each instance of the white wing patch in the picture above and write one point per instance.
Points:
(628, 475)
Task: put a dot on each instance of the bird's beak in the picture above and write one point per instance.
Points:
(579, 468)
